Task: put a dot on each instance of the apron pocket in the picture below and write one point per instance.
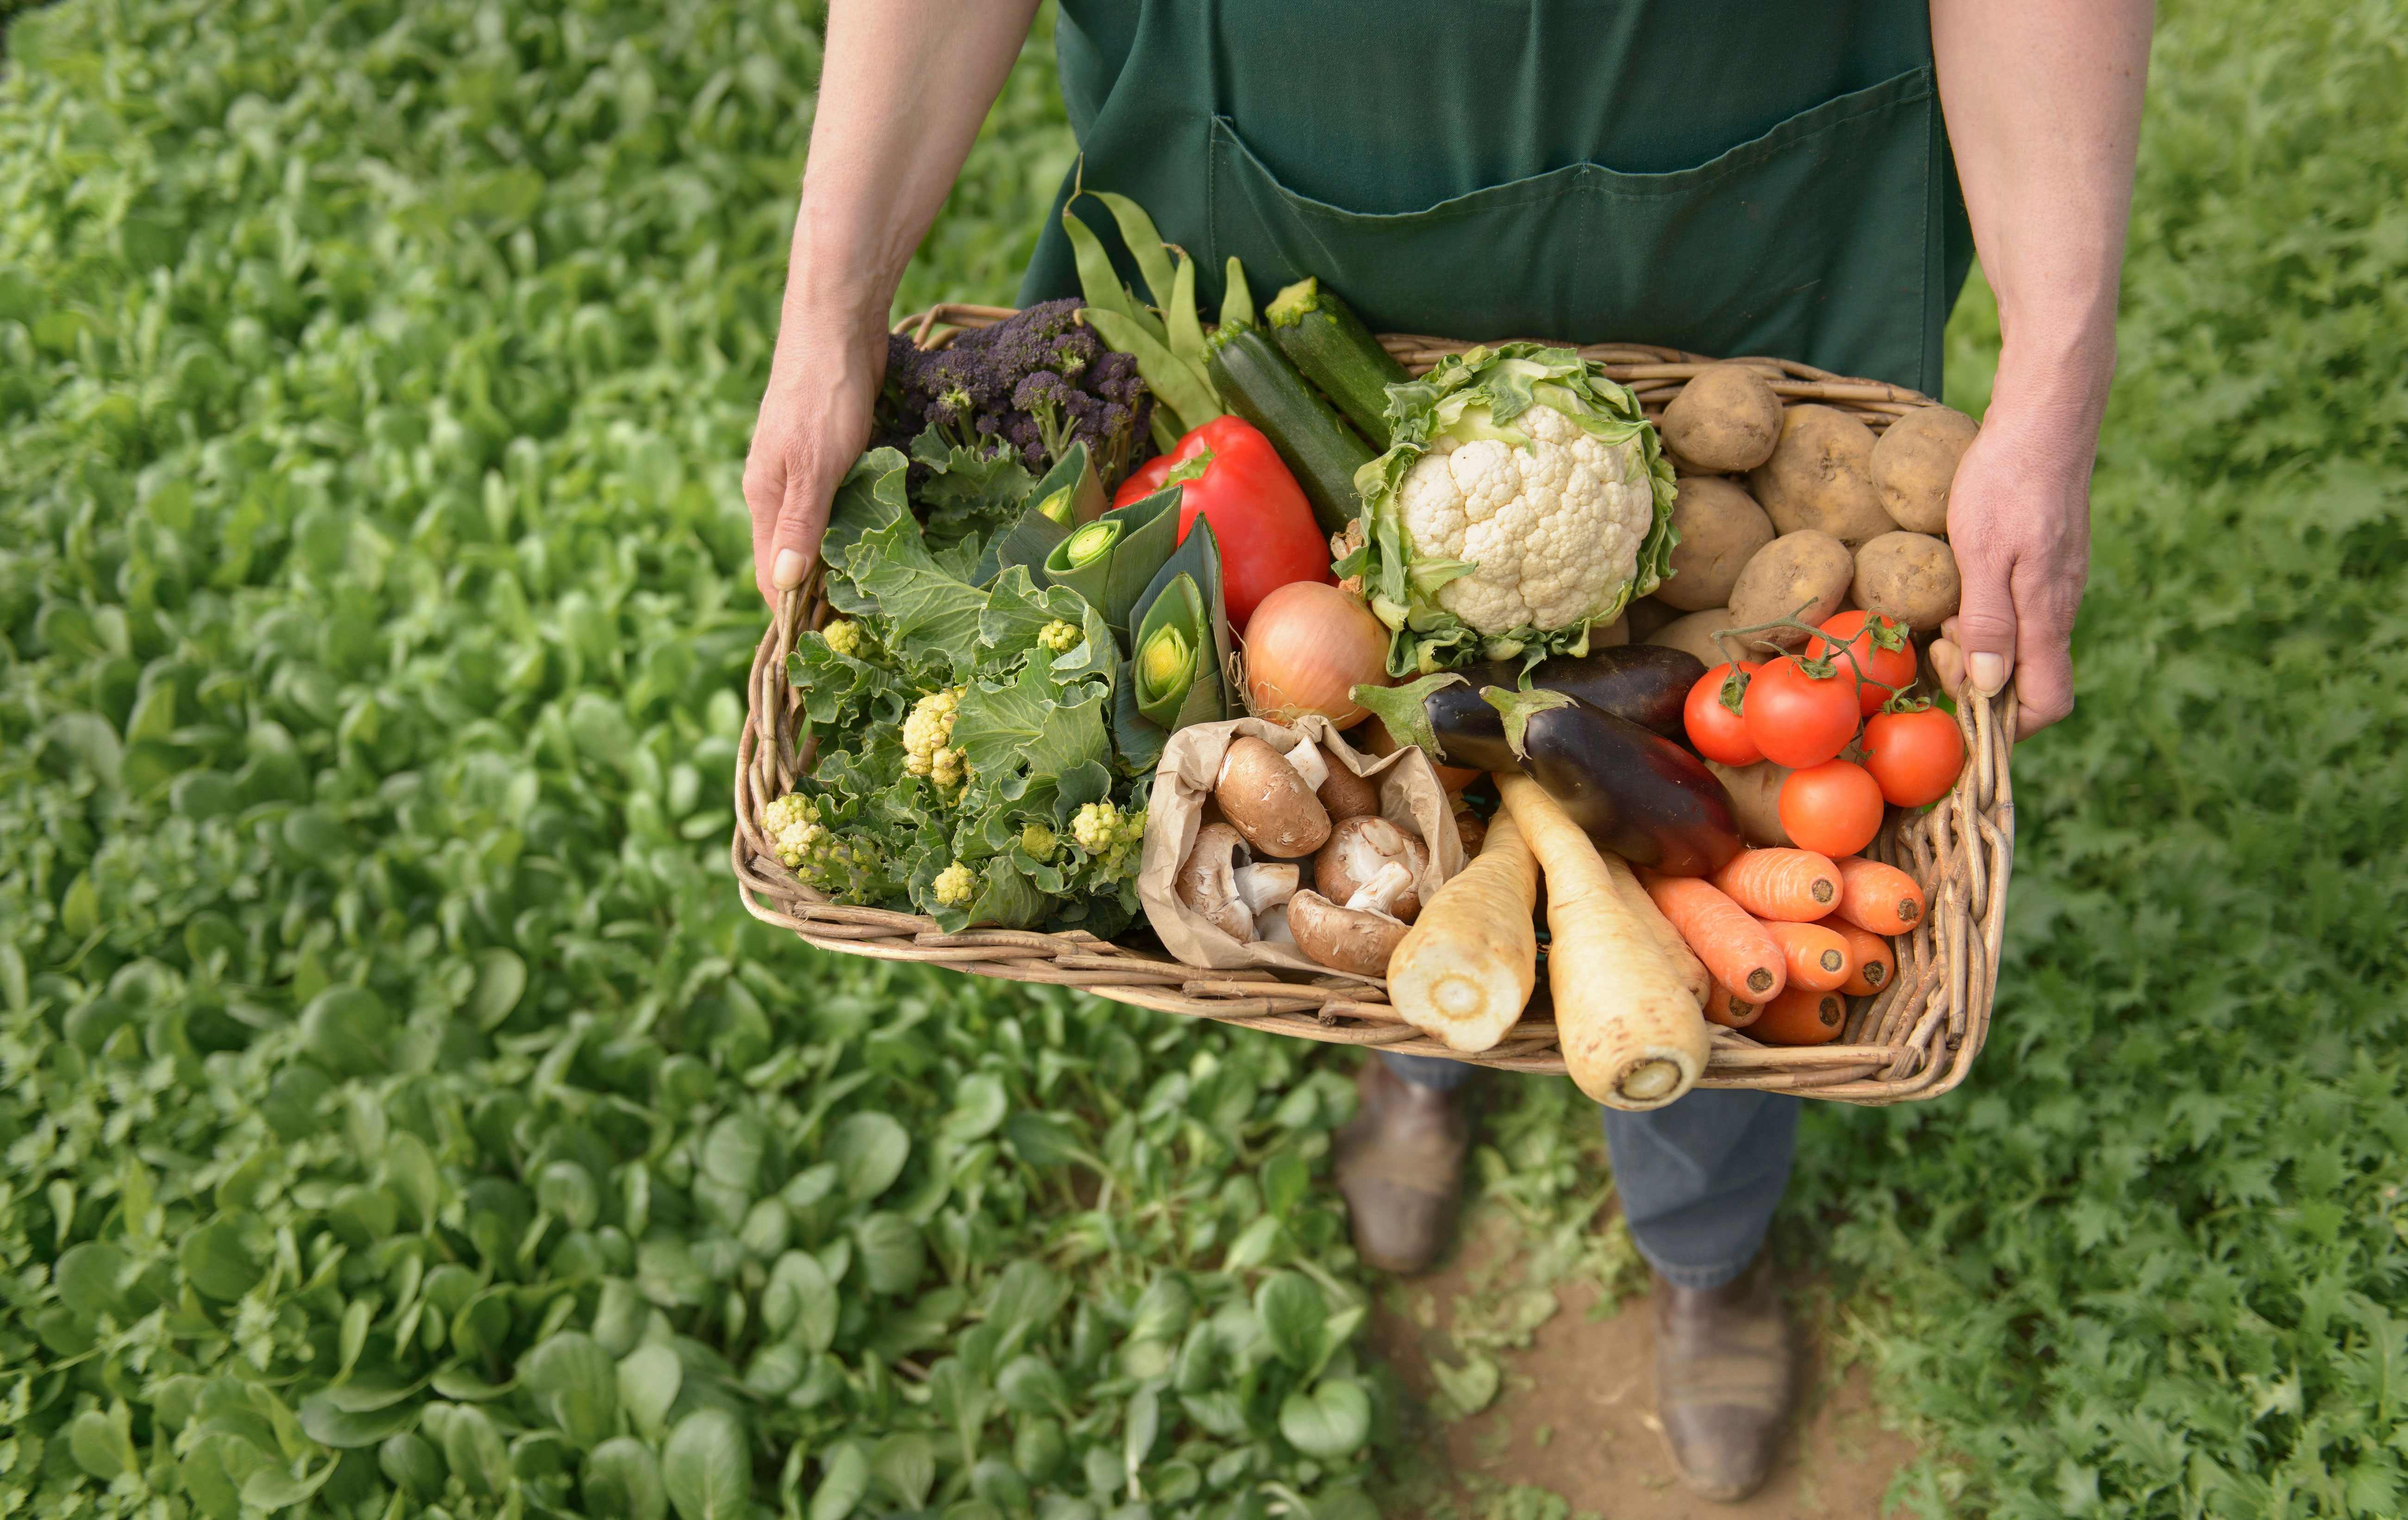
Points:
(1818, 240)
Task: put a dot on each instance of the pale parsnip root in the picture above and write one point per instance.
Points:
(1630, 1032)
(1677, 954)
(1464, 974)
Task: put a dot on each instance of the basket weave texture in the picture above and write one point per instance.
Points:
(1917, 1038)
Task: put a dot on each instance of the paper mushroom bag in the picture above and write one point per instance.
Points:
(1409, 796)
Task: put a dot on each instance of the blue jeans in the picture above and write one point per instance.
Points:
(1700, 1178)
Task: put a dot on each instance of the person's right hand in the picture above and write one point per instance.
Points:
(904, 87)
(814, 423)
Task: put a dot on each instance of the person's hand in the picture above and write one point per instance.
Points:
(2019, 521)
(814, 423)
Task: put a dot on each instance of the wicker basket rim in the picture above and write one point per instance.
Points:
(1915, 1039)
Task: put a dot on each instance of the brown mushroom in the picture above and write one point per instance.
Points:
(1271, 928)
(1208, 881)
(1345, 795)
(1307, 760)
(1357, 848)
(1391, 885)
(1265, 886)
(1343, 938)
(1470, 828)
(1262, 794)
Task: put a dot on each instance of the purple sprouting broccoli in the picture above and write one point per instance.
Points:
(1035, 383)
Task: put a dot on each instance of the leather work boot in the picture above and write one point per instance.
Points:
(1400, 1163)
(1722, 1380)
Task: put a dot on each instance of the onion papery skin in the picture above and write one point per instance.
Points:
(1307, 646)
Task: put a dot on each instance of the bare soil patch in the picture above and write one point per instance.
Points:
(1571, 1430)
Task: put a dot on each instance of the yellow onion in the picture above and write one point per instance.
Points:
(1308, 645)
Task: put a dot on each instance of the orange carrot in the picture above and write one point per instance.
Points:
(1728, 1009)
(1879, 897)
(1795, 885)
(1817, 957)
(1801, 1016)
(1876, 962)
(1734, 946)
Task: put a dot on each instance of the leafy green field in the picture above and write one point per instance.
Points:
(2150, 1261)
(374, 381)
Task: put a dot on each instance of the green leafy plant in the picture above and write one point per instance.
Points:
(401, 1116)
(2160, 1227)
(374, 600)
(968, 719)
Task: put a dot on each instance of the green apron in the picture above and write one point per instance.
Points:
(1722, 176)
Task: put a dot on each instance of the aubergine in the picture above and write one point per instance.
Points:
(1447, 714)
(1636, 792)
(1646, 683)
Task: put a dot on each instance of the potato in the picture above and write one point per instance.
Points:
(1694, 633)
(1608, 634)
(1646, 615)
(1725, 417)
(1721, 528)
(1915, 463)
(1803, 575)
(1755, 800)
(1817, 477)
(1911, 577)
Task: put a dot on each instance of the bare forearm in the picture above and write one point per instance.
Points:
(903, 87)
(2043, 99)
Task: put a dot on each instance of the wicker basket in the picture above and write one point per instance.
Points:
(1916, 1040)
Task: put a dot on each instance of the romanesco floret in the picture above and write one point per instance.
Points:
(955, 886)
(811, 850)
(1060, 636)
(1039, 841)
(927, 740)
(846, 638)
(1108, 833)
(794, 824)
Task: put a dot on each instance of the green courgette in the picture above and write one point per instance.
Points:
(1257, 381)
(1330, 347)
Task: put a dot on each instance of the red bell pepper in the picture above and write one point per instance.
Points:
(1228, 472)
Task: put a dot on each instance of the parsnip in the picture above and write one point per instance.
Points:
(1464, 974)
(1677, 954)
(1630, 1032)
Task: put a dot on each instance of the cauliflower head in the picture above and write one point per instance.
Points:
(1524, 500)
(821, 857)
(1060, 636)
(955, 886)
(928, 736)
(1108, 832)
(1550, 532)
(846, 638)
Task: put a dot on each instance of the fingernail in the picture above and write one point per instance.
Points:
(788, 572)
(1988, 671)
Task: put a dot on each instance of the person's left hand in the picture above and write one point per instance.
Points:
(2019, 523)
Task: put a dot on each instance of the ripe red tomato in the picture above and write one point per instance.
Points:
(1800, 720)
(1913, 756)
(1888, 666)
(1719, 733)
(1833, 809)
